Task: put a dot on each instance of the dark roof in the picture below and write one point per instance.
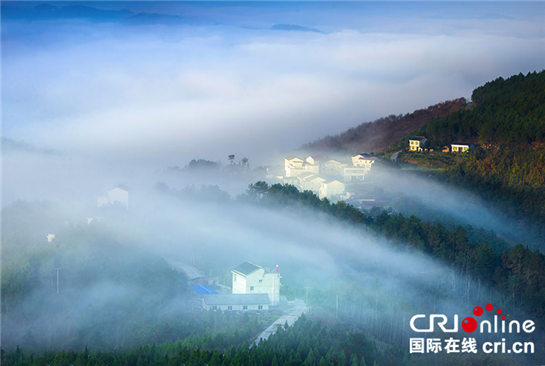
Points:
(246, 268)
(317, 157)
(462, 143)
(203, 290)
(237, 299)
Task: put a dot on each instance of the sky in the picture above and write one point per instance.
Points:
(208, 79)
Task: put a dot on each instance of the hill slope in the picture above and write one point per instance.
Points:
(377, 136)
(507, 168)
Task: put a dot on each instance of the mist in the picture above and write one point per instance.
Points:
(158, 93)
(216, 235)
(92, 102)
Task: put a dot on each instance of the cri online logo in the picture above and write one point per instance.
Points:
(470, 325)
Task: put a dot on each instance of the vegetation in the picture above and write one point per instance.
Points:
(507, 123)
(517, 273)
(377, 136)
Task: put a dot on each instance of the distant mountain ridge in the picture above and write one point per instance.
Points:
(380, 134)
(123, 16)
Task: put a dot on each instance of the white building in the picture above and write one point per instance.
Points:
(249, 278)
(117, 195)
(236, 302)
(354, 174)
(313, 164)
(310, 182)
(332, 189)
(461, 147)
(334, 167)
(293, 166)
(363, 161)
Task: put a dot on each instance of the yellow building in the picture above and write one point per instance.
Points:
(417, 143)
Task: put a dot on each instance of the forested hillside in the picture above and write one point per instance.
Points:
(377, 136)
(507, 124)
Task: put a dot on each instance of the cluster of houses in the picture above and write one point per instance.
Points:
(418, 143)
(254, 289)
(326, 177)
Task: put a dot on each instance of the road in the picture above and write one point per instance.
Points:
(292, 314)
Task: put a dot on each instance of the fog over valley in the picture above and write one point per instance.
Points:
(272, 183)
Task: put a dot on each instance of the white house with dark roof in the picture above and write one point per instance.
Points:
(236, 302)
(461, 147)
(117, 195)
(249, 278)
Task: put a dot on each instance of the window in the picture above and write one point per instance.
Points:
(260, 307)
(251, 288)
(214, 307)
(235, 278)
(245, 307)
(229, 307)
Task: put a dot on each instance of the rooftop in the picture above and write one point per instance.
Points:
(293, 157)
(203, 290)
(246, 268)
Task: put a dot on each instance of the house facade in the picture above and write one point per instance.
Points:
(332, 189)
(417, 143)
(249, 278)
(334, 167)
(310, 182)
(236, 302)
(461, 147)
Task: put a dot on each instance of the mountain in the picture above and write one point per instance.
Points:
(89, 13)
(506, 122)
(380, 134)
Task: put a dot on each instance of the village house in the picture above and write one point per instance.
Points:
(332, 189)
(249, 278)
(119, 195)
(417, 143)
(363, 161)
(313, 164)
(310, 182)
(236, 302)
(461, 147)
(334, 168)
(354, 174)
(293, 166)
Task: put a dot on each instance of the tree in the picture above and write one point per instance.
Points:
(231, 158)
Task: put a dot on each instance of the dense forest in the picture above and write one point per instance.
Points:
(344, 326)
(310, 341)
(507, 168)
(378, 135)
(518, 273)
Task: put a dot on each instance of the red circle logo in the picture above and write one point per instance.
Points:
(469, 325)
(478, 311)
